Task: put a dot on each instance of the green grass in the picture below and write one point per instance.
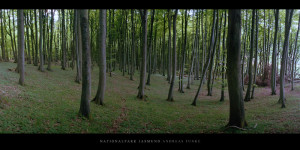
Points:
(49, 103)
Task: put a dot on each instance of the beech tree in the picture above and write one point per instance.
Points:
(21, 60)
(294, 56)
(208, 59)
(223, 60)
(288, 21)
(247, 97)
(86, 65)
(273, 74)
(237, 112)
(170, 95)
(99, 98)
(41, 67)
(141, 93)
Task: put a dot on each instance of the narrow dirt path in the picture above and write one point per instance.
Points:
(122, 117)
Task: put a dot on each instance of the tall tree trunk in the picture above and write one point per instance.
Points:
(27, 35)
(169, 48)
(170, 95)
(273, 74)
(288, 21)
(294, 56)
(193, 55)
(141, 93)
(76, 38)
(99, 98)
(86, 66)
(210, 73)
(244, 54)
(256, 49)
(36, 39)
(223, 60)
(64, 60)
(4, 57)
(51, 39)
(247, 97)
(11, 39)
(21, 60)
(41, 67)
(132, 45)
(183, 51)
(208, 60)
(150, 48)
(163, 48)
(237, 112)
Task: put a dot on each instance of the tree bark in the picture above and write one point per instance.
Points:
(208, 60)
(193, 55)
(237, 112)
(51, 39)
(288, 20)
(41, 67)
(4, 57)
(141, 93)
(256, 50)
(223, 60)
(273, 74)
(21, 60)
(294, 56)
(210, 73)
(132, 45)
(245, 43)
(247, 97)
(150, 48)
(183, 52)
(169, 48)
(86, 65)
(170, 95)
(64, 60)
(102, 58)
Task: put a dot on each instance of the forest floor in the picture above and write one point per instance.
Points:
(49, 103)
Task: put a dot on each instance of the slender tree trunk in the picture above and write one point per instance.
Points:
(41, 67)
(132, 45)
(294, 55)
(11, 39)
(36, 39)
(51, 39)
(21, 60)
(150, 48)
(256, 49)
(141, 94)
(247, 97)
(63, 63)
(2, 38)
(13, 35)
(86, 65)
(210, 73)
(193, 56)
(163, 48)
(27, 35)
(99, 98)
(244, 54)
(273, 74)
(76, 36)
(183, 51)
(169, 48)
(170, 95)
(208, 60)
(223, 60)
(237, 112)
(288, 20)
